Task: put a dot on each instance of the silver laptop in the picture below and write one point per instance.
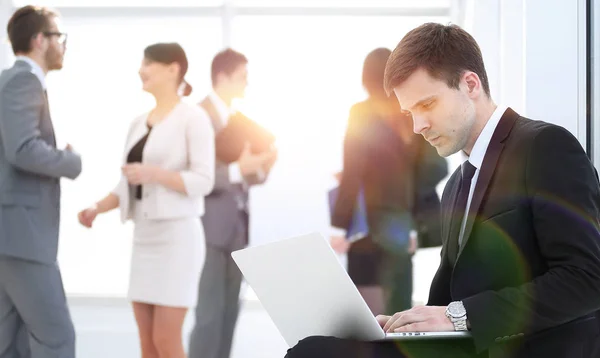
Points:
(306, 291)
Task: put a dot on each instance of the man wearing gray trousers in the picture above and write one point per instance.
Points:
(34, 317)
(226, 217)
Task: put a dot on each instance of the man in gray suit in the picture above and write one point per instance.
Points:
(34, 317)
(226, 217)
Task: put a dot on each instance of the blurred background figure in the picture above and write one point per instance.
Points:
(168, 170)
(34, 317)
(383, 160)
(378, 159)
(227, 215)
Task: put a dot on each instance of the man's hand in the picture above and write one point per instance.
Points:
(417, 319)
(251, 163)
(137, 173)
(272, 158)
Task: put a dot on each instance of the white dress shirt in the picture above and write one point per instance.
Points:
(35, 69)
(224, 111)
(477, 156)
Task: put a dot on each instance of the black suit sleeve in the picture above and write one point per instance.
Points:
(563, 192)
(352, 173)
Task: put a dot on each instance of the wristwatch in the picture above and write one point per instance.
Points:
(458, 315)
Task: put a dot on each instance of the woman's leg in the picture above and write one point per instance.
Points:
(364, 266)
(144, 314)
(167, 331)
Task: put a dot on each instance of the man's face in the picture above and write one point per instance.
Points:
(54, 45)
(237, 81)
(444, 116)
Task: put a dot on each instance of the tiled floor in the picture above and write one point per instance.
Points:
(107, 329)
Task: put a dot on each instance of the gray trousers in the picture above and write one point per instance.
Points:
(218, 305)
(34, 317)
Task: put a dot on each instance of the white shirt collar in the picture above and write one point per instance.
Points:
(224, 111)
(483, 141)
(35, 69)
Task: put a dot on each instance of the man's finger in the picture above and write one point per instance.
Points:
(406, 319)
(414, 327)
(382, 320)
(392, 319)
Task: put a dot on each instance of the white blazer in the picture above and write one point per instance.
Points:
(184, 141)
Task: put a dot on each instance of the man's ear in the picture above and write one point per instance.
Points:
(37, 40)
(473, 83)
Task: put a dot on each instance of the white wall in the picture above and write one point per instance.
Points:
(6, 55)
(555, 63)
(534, 56)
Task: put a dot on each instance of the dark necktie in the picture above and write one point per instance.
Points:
(459, 210)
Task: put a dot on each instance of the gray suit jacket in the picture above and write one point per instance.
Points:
(228, 202)
(30, 168)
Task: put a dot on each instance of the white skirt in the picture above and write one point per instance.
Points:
(166, 260)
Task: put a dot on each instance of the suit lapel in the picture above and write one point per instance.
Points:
(46, 124)
(486, 172)
(49, 118)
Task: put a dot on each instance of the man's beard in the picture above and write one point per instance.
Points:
(53, 60)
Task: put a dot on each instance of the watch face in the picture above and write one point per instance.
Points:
(456, 310)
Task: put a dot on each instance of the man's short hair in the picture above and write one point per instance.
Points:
(373, 70)
(25, 24)
(444, 51)
(226, 61)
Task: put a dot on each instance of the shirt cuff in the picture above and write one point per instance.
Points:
(337, 232)
(235, 173)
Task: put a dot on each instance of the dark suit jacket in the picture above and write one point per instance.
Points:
(528, 271)
(376, 159)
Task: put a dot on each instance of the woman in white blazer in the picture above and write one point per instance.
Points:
(168, 169)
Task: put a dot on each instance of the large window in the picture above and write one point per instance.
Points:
(305, 73)
(118, 3)
(94, 99)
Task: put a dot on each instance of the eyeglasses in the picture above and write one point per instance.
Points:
(62, 37)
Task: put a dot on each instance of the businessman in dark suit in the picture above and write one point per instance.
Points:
(521, 270)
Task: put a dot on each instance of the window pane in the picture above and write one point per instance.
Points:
(303, 78)
(346, 3)
(94, 99)
(141, 3)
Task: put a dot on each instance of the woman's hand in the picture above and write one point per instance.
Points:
(86, 217)
(138, 173)
(339, 244)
